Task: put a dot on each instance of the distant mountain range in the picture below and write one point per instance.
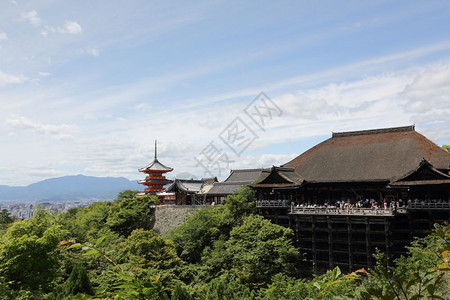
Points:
(68, 188)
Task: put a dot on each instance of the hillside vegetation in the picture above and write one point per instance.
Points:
(109, 251)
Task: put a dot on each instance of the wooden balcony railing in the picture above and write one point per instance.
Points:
(432, 206)
(272, 203)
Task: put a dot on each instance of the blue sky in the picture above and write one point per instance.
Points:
(87, 86)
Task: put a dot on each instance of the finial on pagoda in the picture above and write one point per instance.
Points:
(155, 149)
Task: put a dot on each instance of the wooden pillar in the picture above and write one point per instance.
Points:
(349, 243)
(411, 226)
(330, 243)
(368, 247)
(313, 246)
(387, 240)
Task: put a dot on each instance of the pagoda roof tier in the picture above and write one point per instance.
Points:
(156, 166)
(161, 183)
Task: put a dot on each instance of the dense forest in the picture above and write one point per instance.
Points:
(108, 250)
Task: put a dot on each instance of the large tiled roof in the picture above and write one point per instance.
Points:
(369, 155)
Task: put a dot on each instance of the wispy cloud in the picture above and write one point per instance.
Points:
(71, 27)
(32, 17)
(3, 36)
(61, 131)
(92, 52)
(7, 79)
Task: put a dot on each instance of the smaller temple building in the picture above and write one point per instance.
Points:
(237, 178)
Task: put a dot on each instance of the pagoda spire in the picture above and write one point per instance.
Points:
(156, 148)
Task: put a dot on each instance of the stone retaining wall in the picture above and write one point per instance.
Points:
(169, 216)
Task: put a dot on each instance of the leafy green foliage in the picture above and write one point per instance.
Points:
(226, 252)
(211, 224)
(78, 281)
(89, 223)
(180, 293)
(29, 256)
(423, 274)
(226, 286)
(198, 232)
(126, 194)
(132, 213)
(147, 249)
(260, 249)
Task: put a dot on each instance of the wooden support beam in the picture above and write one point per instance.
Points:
(330, 243)
(387, 240)
(314, 250)
(368, 246)
(349, 241)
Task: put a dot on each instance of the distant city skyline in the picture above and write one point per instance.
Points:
(87, 87)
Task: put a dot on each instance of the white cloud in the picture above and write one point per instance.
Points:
(93, 52)
(430, 91)
(3, 36)
(142, 107)
(6, 79)
(71, 27)
(32, 17)
(44, 74)
(62, 131)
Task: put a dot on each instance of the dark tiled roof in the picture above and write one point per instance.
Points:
(424, 174)
(280, 175)
(244, 175)
(186, 185)
(235, 181)
(156, 166)
(226, 188)
(369, 155)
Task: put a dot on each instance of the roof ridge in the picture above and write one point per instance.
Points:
(374, 131)
(247, 170)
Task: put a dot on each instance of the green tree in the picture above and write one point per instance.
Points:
(210, 224)
(126, 194)
(132, 213)
(78, 281)
(180, 293)
(147, 249)
(226, 286)
(29, 254)
(260, 249)
(5, 217)
(198, 232)
(446, 147)
(87, 224)
(5, 220)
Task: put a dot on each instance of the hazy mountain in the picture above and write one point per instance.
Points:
(77, 187)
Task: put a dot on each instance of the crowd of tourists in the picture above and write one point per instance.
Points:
(386, 204)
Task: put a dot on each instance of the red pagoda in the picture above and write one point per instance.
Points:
(155, 179)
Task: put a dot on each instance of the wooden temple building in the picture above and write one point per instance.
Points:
(237, 178)
(155, 179)
(356, 192)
